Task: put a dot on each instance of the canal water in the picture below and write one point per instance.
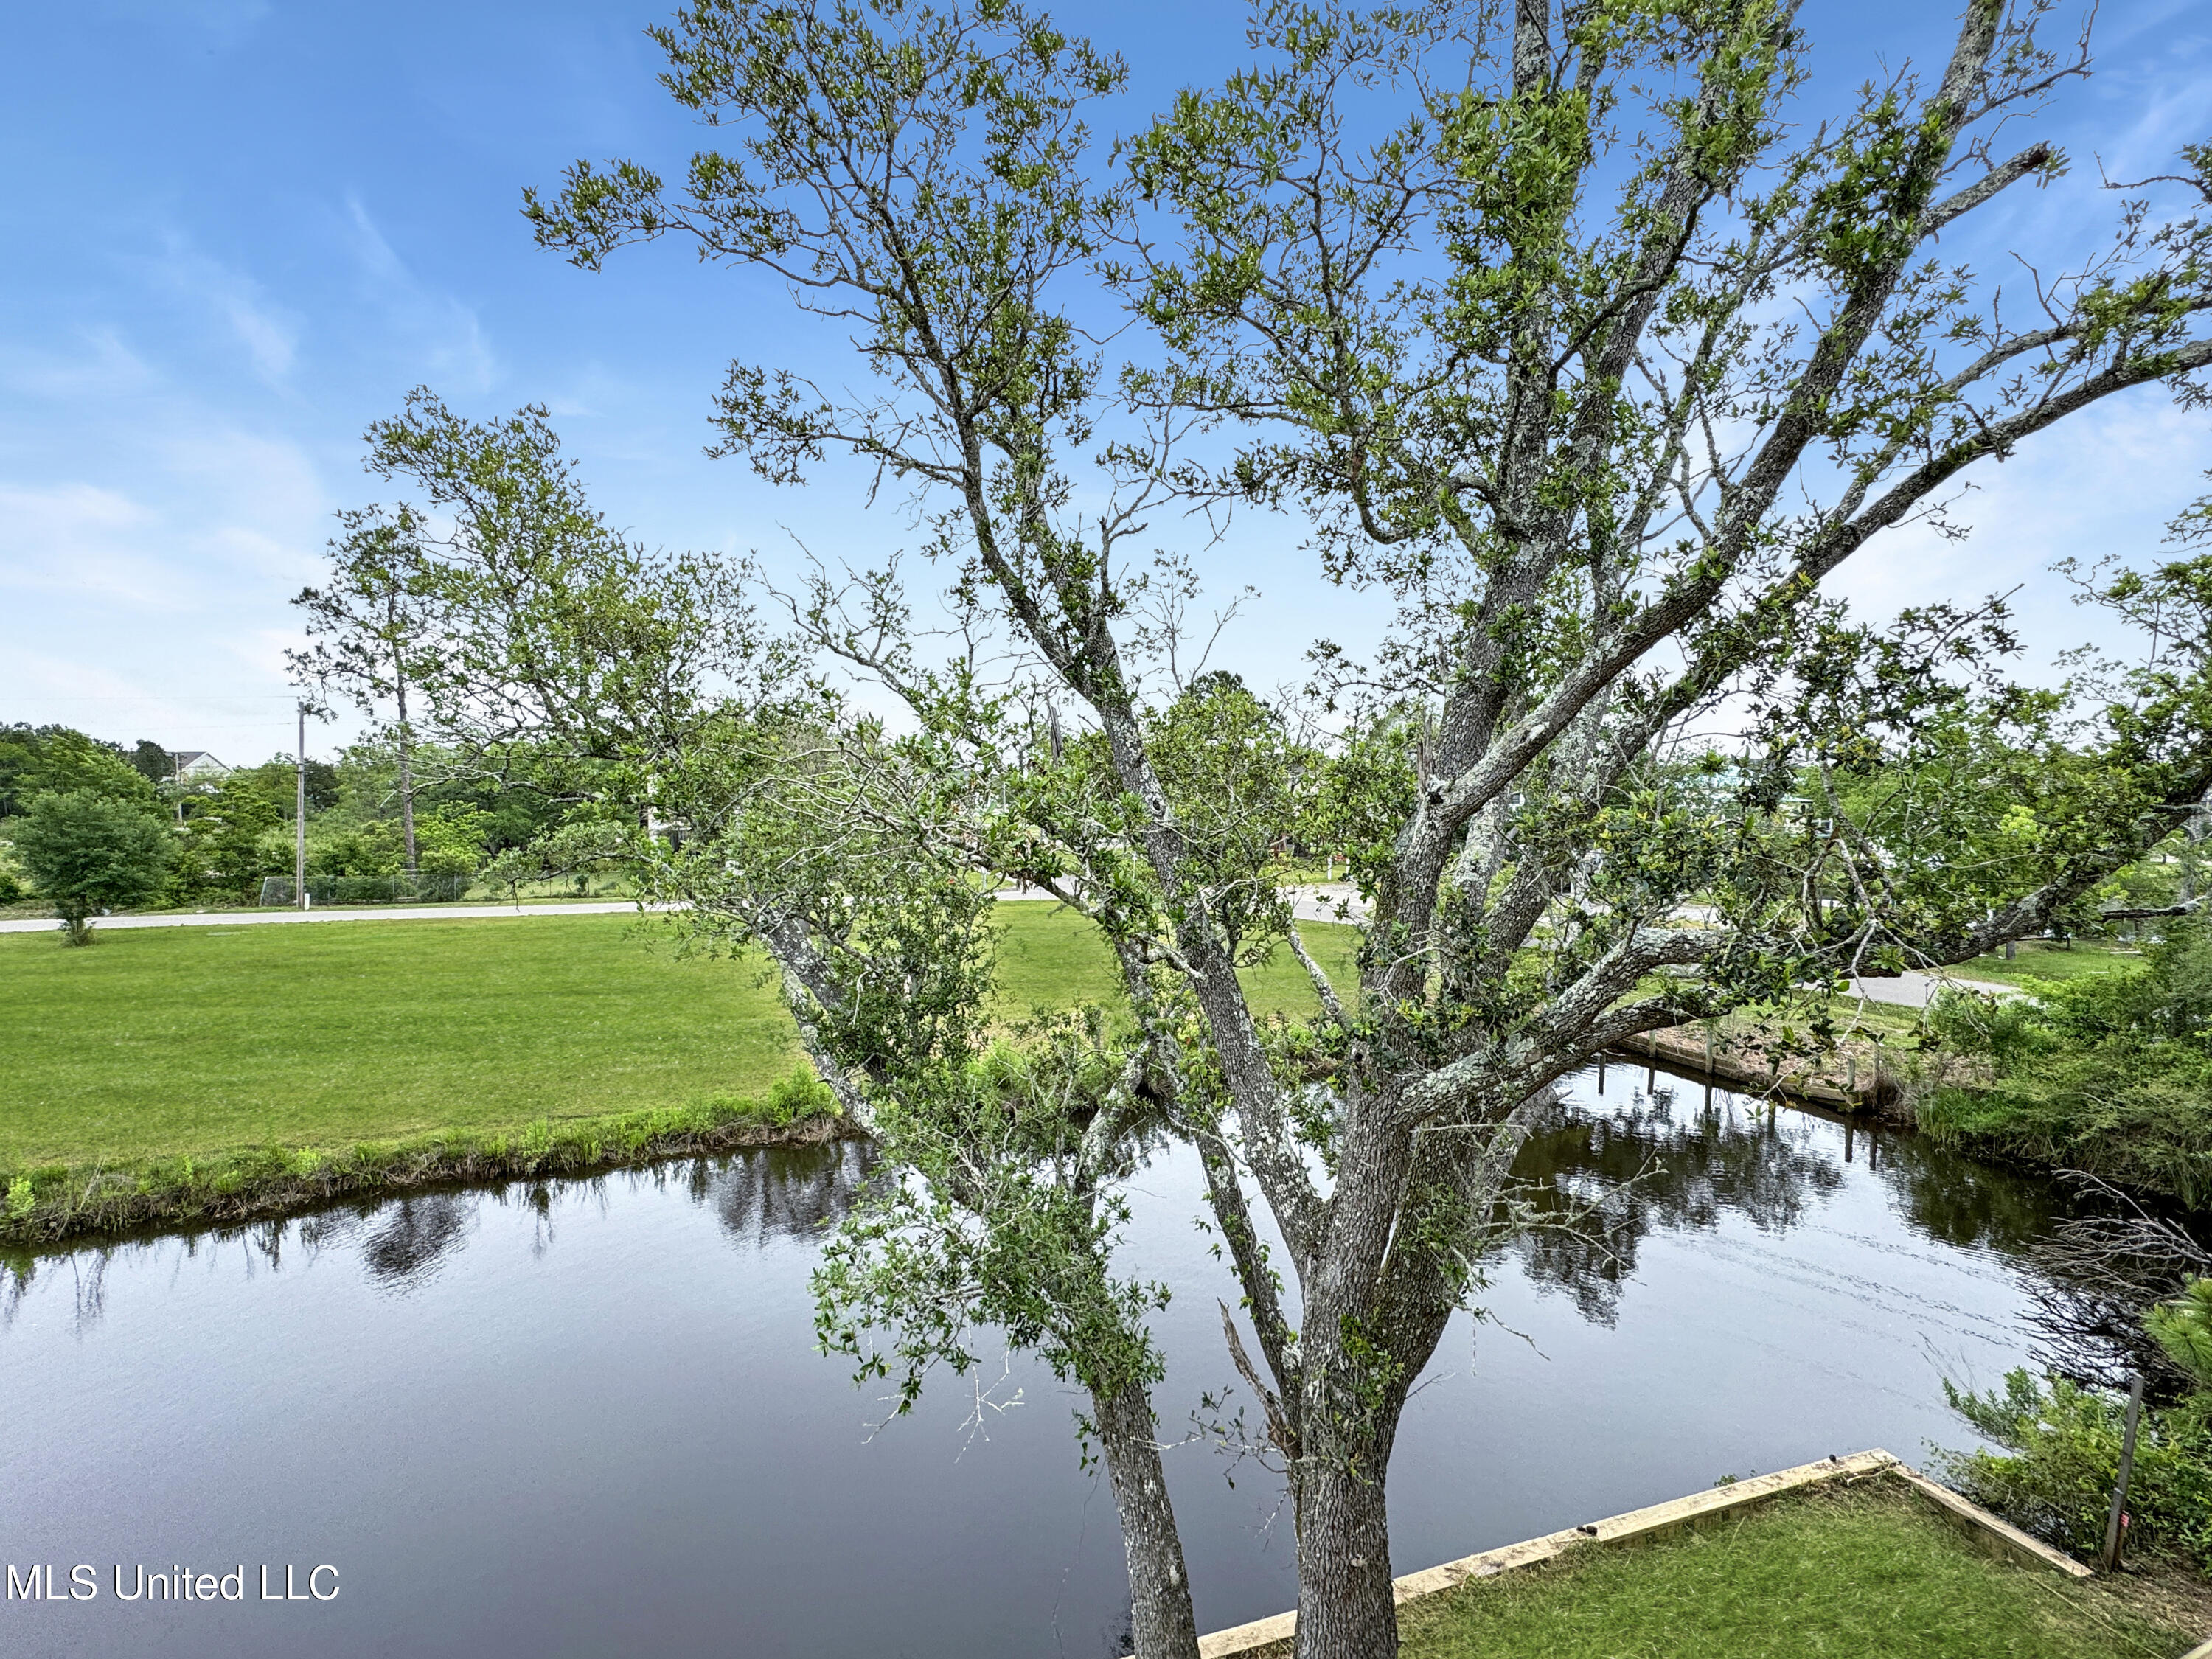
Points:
(587, 1418)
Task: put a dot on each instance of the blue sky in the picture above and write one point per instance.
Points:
(238, 230)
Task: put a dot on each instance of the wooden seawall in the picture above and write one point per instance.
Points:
(1867, 1083)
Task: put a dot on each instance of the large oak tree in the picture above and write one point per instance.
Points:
(1550, 320)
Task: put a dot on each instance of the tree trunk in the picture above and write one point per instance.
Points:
(406, 782)
(1159, 1588)
(1345, 1605)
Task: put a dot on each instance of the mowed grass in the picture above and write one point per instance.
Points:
(1833, 1573)
(174, 1042)
(2042, 959)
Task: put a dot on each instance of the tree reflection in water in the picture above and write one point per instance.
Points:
(404, 1242)
(1654, 1153)
(414, 1235)
(783, 1191)
(1600, 1175)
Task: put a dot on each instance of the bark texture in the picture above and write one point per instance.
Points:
(1159, 1586)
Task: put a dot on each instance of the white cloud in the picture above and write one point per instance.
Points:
(162, 595)
(192, 517)
(269, 332)
(106, 369)
(445, 336)
(152, 703)
(2103, 482)
(79, 538)
(269, 513)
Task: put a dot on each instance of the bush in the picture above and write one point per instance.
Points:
(448, 842)
(2125, 1115)
(2061, 1459)
(2183, 1327)
(798, 1096)
(801, 1094)
(2110, 1073)
(87, 853)
(234, 836)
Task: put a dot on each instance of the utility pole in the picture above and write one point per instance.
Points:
(299, 818)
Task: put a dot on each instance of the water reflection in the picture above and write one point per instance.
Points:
(416, 1233)
(515, 1380)
(1618, 1160)
(1598, 1177)
(86, 1271)
(1970, 1205)
(785, 1191)
(404, 1243)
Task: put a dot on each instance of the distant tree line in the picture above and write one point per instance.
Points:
(181, 841)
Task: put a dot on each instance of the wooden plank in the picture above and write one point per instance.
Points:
(2002, 1536)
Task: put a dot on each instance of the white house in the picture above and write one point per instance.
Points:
(196, 766)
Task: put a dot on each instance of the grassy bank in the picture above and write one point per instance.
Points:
(2123, 1119)
(1838, 1571)
(165, 1042)
(45, 1203)
(2042, 959)
(171, 1074)
(2106, 1068)
(2109, 1072)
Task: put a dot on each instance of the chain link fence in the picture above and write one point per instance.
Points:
(279, 892)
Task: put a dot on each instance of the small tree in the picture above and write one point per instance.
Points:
(229, 842)
(369, 625)
(87, 853)
(153, 763)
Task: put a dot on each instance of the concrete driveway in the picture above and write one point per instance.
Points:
(1912, 990)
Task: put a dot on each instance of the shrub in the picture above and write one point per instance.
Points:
(2110, 1073)
(2061, 1459)
(800, 1094)
(87, 853)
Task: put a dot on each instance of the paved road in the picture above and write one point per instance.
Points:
(381, 913)
(1911, 990)
(1317, 903)
(1335, 900)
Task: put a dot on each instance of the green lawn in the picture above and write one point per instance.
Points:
(1860, 1573)
(167, 1041)
(2037, 959)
